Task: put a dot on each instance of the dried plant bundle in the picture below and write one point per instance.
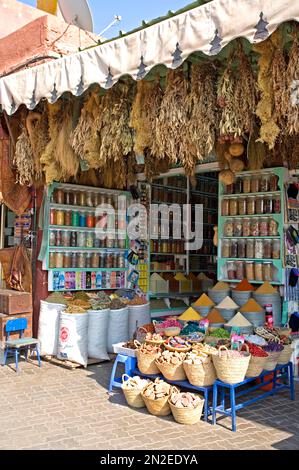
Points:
(24, 159)
(292, 88)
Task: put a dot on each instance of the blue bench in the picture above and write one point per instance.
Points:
(228, 392)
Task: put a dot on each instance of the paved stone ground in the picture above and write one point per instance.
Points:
(53, 408)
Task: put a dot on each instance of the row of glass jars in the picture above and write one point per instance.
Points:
(85, 219)
(259, 227)
(86, 198)
(60, 259)
(162, 194)
(256, 249)
(253, 184)
(250, 205)
(65, 238)
(253, 271)
(168, 246)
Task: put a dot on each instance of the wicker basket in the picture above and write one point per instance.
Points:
(146, 362)
(155, 343)
(187, 415)
(285, 355)
(172, 372)
(132, 395)
(158, 407)
(231, 370)
(256, 366)
(272, 360)
(182, 350)
(201, 375)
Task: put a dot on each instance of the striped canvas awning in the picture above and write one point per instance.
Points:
(207, 28)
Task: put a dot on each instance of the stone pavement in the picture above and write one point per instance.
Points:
(54, 408)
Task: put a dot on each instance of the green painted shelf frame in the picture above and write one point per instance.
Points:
(281, 173)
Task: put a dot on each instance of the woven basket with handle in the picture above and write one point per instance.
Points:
(256, 366)
(158, 407)
(186, 415)
(132, 395)
(172, 372)
(230, 369)
(201, 375)
(285, 355)
(272, 360)
(146, 362)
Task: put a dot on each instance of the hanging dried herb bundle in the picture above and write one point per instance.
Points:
(66, 158)
(202, 109)
(24, 159)
(244, 97)
(155, 167)
(229, 121)
(279, 79)
(37, 127)
(269, 130)
(173, 121)
(50, 166)
(292, 88)
(141, 117)
(256, 151)
(83, 136)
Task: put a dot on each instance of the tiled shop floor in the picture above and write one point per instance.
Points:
(54, 408)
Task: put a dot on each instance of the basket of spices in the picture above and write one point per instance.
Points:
(274, 350)
(286, 353)
(153, 338)
(132, 388)
(146, 357)
(254, 313)
(216, 335)
(257, 361)
(215, 318)
(199, 369)
(219, 292)
(231, 366)
(186, 407)
(203, 305)
(227, 308)
(177, 344)
(239, 321)
(242, 293)
(155, 397)
(170, 365)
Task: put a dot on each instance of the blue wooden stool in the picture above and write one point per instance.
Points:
(227, 392)
(130, 365)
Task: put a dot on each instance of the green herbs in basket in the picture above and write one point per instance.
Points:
(220, 333)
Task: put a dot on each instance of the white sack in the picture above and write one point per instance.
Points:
(139, 315)
(73, 336)
(97, 333)
(118, 327)
(48, 327)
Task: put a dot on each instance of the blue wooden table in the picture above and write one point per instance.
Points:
(229, 393)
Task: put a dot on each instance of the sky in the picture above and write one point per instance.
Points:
(132, 12)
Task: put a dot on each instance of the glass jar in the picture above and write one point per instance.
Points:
(259, 249)
(225, 207)
(268, 205)
(249, 249)
(238, 228)
(95, 260)
(52, 217)
(255, 184)
(274, 179)
(276, 249)
(233, 206)
(242, 206)
(90, 220)
(276, 205)
(66, 238)
(238, 186)
(82, 219)
(273, 228)
(122, 243)
(228, 229)
(258, 271)
(76, 198)
(255, 228)
(89, 240)
(251, 205)
(246, 227)
(59, 217)
(265, 183)
(267, 272)
(58, 238)
(267, 249)
(67, 260)
(75, 218)
(68, 218)
(228, 189)
(246, 184)
(82, 198)
(231, 270)
(225, 252)
(234, 249)
(241, 248)
(250, 270)
(264, 227)
(81, 260)
(259, 205)
(74, 261)
(52, 260)
(81, 239)
(88, 260)
(59, 196)
(102, 260)
(109, 261)
(89, 201)
(59, 259)
(52, 238)
(240, 270)
(73, 239)
(68, 199)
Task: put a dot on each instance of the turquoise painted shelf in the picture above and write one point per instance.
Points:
(87, 270)
(92, 250)
(278, 273)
